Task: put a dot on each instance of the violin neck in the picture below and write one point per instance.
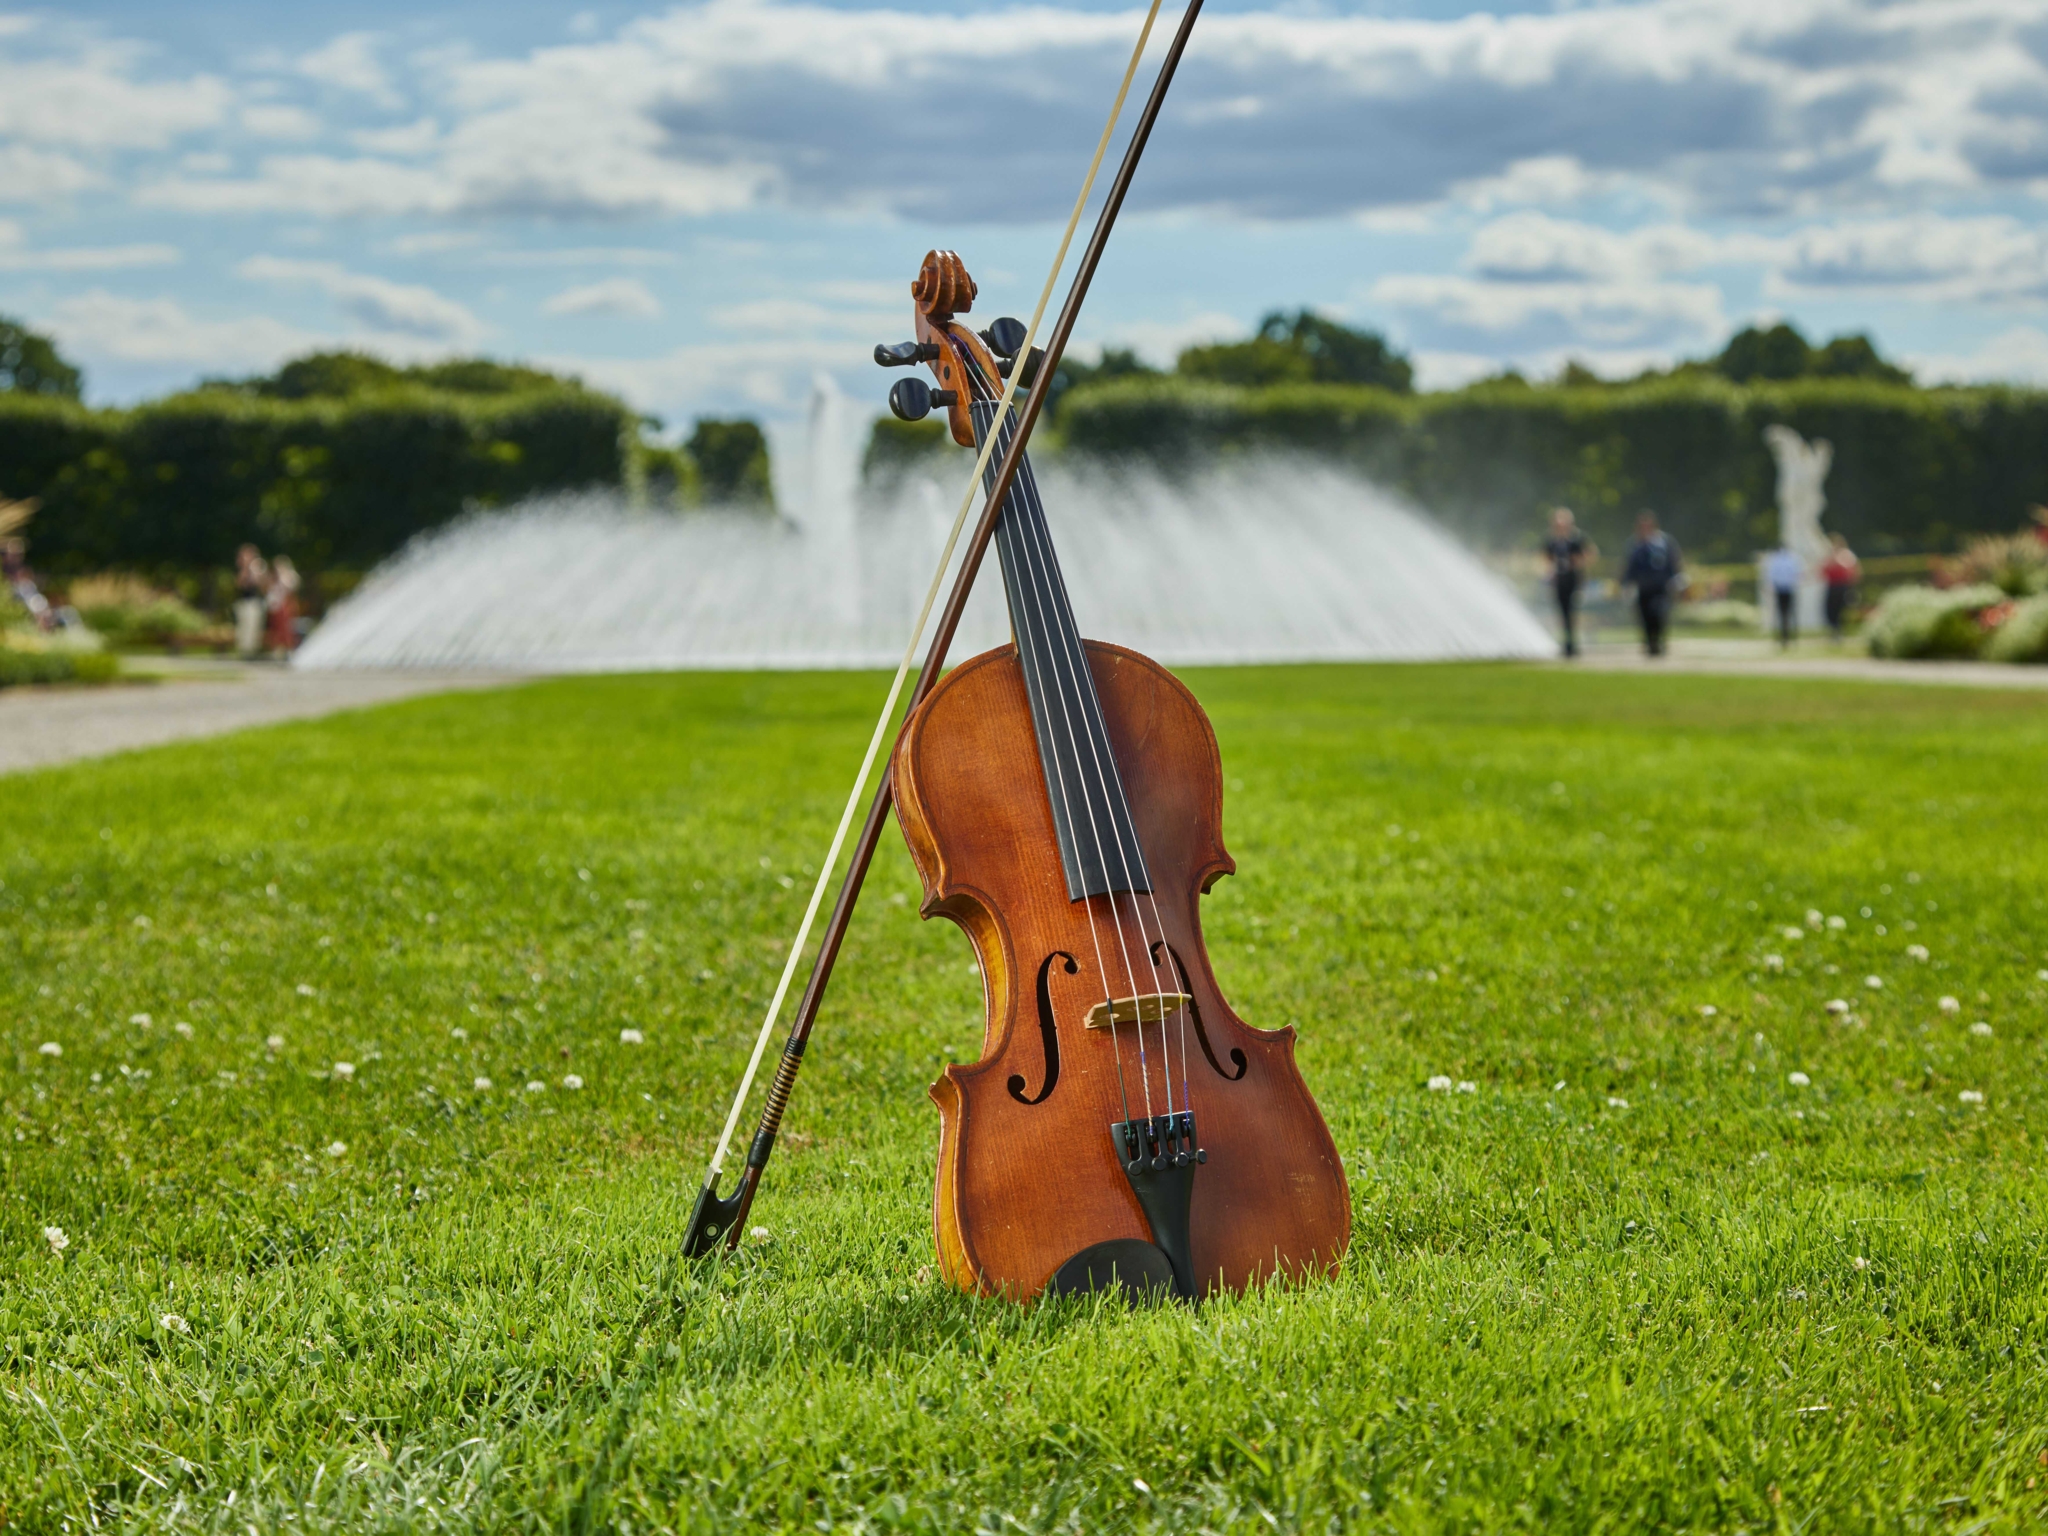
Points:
(1091, 811)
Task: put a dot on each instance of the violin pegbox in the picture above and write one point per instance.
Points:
(942, 290)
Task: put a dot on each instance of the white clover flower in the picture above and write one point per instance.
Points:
(55, 1237)
(1836, 1005)
(182, 1030)
(1468, 1087)
(1613, 1103)
(344, 1070)
(1971, 1096)
(2041, 975)
(482, 1085)
(273, 1042)
(49, 1048)
(1875, 983)
(1812, 918)
(139, 1018)
(1440, 1084)
(458, 1033)
(170, 1322)
(1774, 962)
(536, 1087)
(1793, 933)
(1859, 1262)
(1980, 1028)
(1799, 1080)
(1838, 922)
(572, 1081)
(759, 1234)
(1708, 1010)
(336, 1148)
(631, 1037)
(303, 990)
(1916, 952)
(1949, 1005)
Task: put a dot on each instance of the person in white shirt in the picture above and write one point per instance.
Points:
(1782, 569)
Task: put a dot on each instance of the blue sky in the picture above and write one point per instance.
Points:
(705, 205)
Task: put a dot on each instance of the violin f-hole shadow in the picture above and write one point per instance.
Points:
(1048, 1034)
(1180, 970)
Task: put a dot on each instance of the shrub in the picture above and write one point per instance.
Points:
(2023, 636)
(129, 611)
(179, 483)
(1914, 469)
(27, 660)
(2016, 564)
(1923, 623)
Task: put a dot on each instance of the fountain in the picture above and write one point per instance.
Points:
(1254, 561)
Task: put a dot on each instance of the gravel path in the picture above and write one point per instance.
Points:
(40, 727)
(1761, 658)
(43, 726)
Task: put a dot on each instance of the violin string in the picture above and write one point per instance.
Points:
(1076, 661)
(1159, 921)
(931, 598)
(1031, 534)
(1028, 654)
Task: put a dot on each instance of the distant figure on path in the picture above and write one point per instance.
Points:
(1652, 568)
(1783, 568)
(282, 601)
(21, 581)
(252, 588)
(1569, 552)
(1840, 571)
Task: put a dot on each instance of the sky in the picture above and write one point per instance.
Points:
(704, 206)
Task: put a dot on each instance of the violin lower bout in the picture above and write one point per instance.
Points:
(1029, 1174)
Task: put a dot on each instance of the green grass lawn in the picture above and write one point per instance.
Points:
(1690, 1253)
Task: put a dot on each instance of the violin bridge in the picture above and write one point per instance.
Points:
(1148, 1009)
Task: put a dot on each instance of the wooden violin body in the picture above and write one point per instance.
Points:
(1031, 1169)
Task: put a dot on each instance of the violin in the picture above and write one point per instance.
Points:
(1062, 800)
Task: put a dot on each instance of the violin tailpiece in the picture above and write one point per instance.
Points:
(1159, 1157)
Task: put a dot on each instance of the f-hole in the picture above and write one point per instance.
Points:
(1237, 1057)
(1048, 1035)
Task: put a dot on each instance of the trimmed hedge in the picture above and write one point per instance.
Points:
(1914, 469)
(181, 482)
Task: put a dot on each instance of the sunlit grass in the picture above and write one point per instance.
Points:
(1638, 1276)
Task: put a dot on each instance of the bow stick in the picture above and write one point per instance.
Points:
(713, 1217)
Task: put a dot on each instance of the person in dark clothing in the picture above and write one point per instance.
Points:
(1569, 552)
(1652, 568)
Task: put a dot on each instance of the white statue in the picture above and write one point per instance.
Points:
(1802, 474)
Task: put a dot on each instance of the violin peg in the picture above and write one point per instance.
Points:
(905, 354)
(912, 399)
(1004, 336)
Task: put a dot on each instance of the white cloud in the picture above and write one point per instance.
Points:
(99, 325)
(415, 138)
(1740, 106)
(1926, 257)
(376, 303)
(31, 175)
(2018, 356)
(1451, 313)
(17, 256)
(280, 122)
(87, 96)
(350, 63)
(614, 296)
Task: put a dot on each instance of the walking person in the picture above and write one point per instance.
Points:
(1841, 571)
(1783, 570)
(1569, 552)
(1654, 568)
(252, 589)
(281, 601)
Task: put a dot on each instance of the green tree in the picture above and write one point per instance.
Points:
(732, 462)
(30, 364)
(1855, 357)
(1301, 348)
(1751, 354)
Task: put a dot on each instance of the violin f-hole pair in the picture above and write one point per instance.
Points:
(1062, 799)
